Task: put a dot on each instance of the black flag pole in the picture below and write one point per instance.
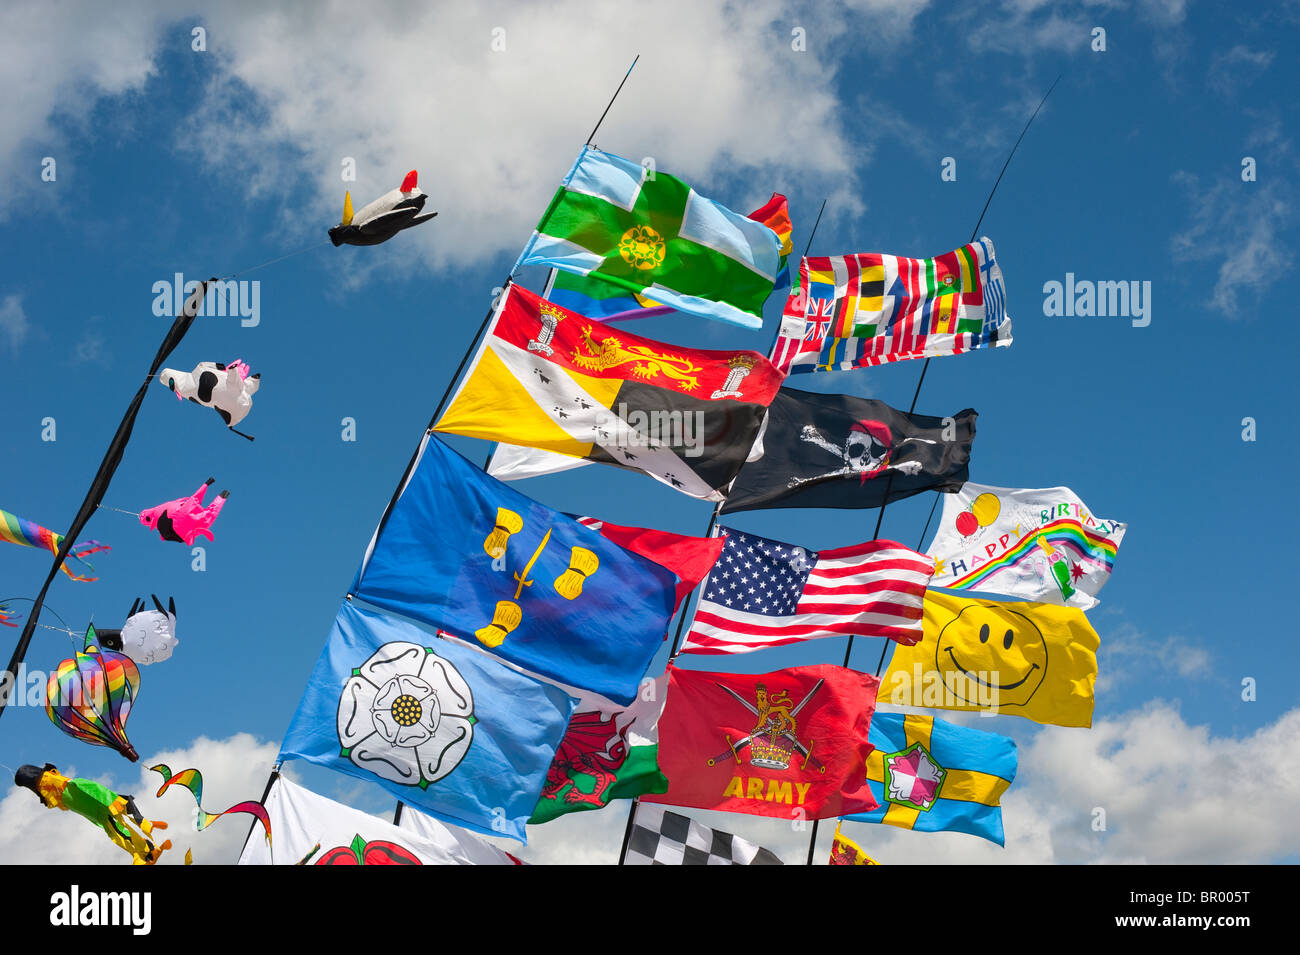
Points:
(916, 394)
(713, 522)
(451, 384)
(100, 482)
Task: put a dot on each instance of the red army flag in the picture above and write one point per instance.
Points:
(790, 744)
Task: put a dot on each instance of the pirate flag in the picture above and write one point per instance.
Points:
(790, 744)
(841, 451)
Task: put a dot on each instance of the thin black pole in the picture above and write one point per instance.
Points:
(806, 246)
(103, 477)
(473, 345)
(976, 230)
(397, 813)
(672, 654)
(848, 650)
(270, 781)
(592, 137)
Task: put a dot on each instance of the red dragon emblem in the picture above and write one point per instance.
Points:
(592, 746)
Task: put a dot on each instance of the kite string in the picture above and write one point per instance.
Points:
(812, 843)
(281, 258)
(119, 510)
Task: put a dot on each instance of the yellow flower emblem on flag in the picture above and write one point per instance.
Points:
(642, 248)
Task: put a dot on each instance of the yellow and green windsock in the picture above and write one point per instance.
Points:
(932, 776)
(1034, 660)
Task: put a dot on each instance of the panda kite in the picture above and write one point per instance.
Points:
(228, 389)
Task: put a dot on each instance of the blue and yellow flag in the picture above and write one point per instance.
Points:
(437, 723)
(932, 776)
(463, 552)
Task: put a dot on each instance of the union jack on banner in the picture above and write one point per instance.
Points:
(878, 308)
(763, 593)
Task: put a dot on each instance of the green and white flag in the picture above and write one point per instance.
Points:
(609, 752)
(656, 237)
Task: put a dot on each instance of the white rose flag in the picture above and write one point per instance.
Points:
(1040, 543)
(438, 723)
(312, 830)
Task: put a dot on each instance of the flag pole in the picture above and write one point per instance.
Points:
(592, 137)
(687, 610)
(473, 345)
(771, 352)
(916, 394)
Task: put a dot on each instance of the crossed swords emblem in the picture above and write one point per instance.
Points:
(733, 749)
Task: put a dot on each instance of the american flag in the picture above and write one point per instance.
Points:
(763, 593)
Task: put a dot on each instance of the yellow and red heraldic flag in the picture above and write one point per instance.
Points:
(553, 380)
(844, 851)
(790, 744)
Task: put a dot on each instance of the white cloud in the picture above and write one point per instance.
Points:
(14, 325)
(1128, 653)
(1172, 793)
(60, 60)
(234, 770)
(1239, 226)
(92, 347)
(1236, 68)
(493, 132)
(296, 87)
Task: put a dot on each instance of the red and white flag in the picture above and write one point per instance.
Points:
(763, 593)
(690, 558)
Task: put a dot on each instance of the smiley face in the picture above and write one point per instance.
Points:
(990, 653)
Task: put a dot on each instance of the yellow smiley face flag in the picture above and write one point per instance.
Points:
(1034, 660)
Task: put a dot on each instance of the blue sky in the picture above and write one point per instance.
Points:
(171, 160)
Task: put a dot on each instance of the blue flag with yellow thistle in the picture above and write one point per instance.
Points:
(464, 553)
(934, 776)
(439, 724)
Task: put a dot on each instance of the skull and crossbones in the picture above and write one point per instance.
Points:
(867, 452)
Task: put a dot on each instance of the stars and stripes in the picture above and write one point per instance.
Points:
(765, 593)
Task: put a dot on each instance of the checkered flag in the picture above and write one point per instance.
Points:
(660, 837)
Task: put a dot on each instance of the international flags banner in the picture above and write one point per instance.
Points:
(312, 830)
(657, 238)
(764, 593)
(437, 723)
(467, 554)
(790, 744)
(690, 558)
(844, 851)
(660, 837)
(1041, 543)
(933, 776)
(609, 751)
(553, 380)
(1034, 660)
(853, 311)
(842, 451)
(604, 301)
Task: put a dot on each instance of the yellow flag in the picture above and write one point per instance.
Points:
(844, 851)
(1033, 660)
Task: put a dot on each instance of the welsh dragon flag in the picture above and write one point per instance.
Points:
(609, 752)
(657, 238)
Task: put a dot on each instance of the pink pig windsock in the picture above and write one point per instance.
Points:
(185, 518)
